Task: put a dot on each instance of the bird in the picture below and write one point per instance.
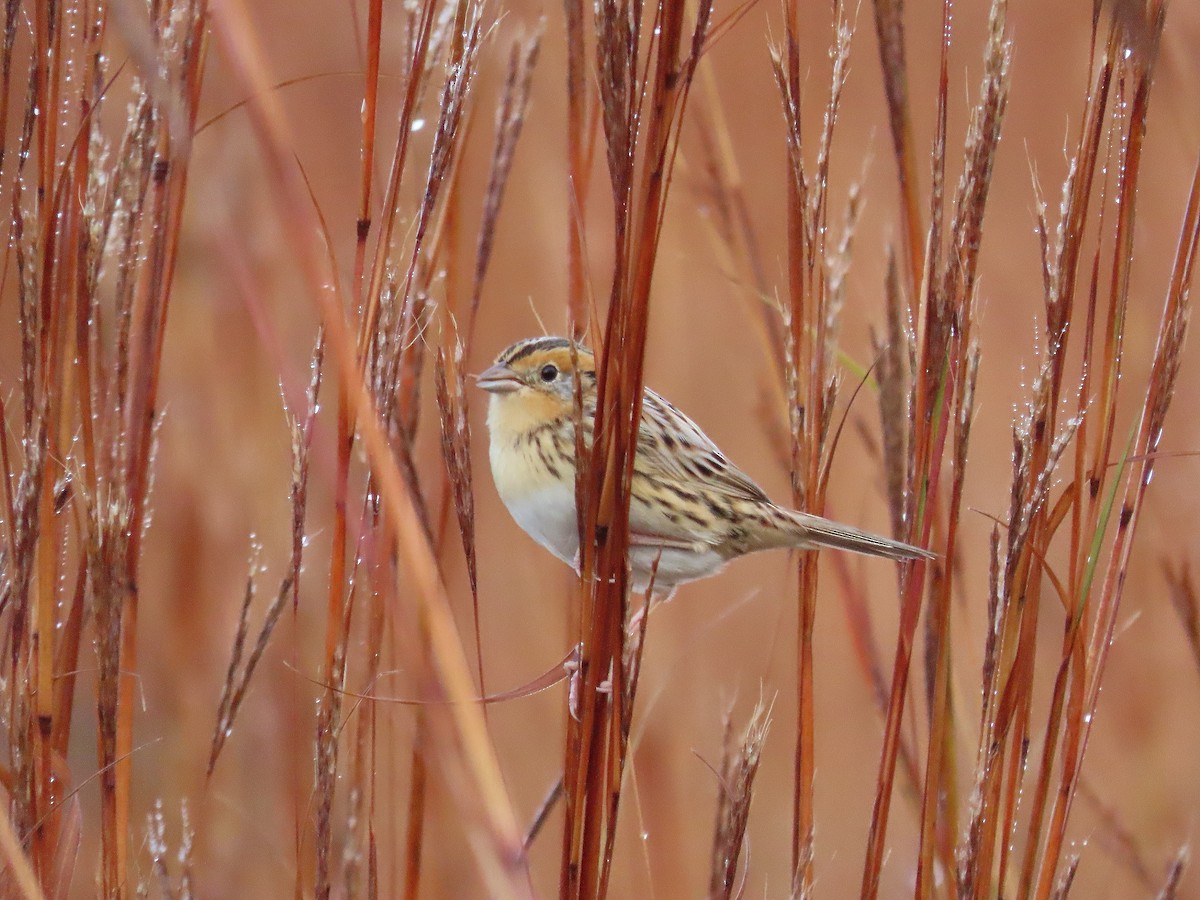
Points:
(691, 510)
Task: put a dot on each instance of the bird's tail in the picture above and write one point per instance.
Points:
(810, 532)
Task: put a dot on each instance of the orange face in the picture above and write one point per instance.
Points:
(533, 382)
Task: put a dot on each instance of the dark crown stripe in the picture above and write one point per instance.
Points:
(519, 351)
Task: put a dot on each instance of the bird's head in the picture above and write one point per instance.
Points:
(533, 382)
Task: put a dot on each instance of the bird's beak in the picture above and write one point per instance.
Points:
(499, 379)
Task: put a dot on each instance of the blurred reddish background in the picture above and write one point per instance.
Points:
(223, 464)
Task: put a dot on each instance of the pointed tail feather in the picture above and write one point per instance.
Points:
(813, 531)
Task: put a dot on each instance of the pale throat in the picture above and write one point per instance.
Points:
(512, 416)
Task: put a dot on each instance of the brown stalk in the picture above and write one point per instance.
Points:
(450, 387)
(16, 864)
(966, 231)
(641, 116)
(88, 315)
(11, 17)
(938, 820)
(450, 379)
(67, 661)
(107, 552)
(237, 678)
(366, 730)
(810, 315)
(57, 266)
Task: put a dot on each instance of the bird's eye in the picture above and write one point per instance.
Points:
(549, 372)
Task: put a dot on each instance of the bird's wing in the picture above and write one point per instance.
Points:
(671, 446)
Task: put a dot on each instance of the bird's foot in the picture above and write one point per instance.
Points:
(571, 667)
(574, 681)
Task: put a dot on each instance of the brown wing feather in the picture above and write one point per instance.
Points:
(672, 445)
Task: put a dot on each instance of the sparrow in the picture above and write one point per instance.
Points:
(691, 510)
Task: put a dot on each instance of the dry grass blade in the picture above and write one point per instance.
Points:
(939, 812)
(418, 46)
(1038, 443)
